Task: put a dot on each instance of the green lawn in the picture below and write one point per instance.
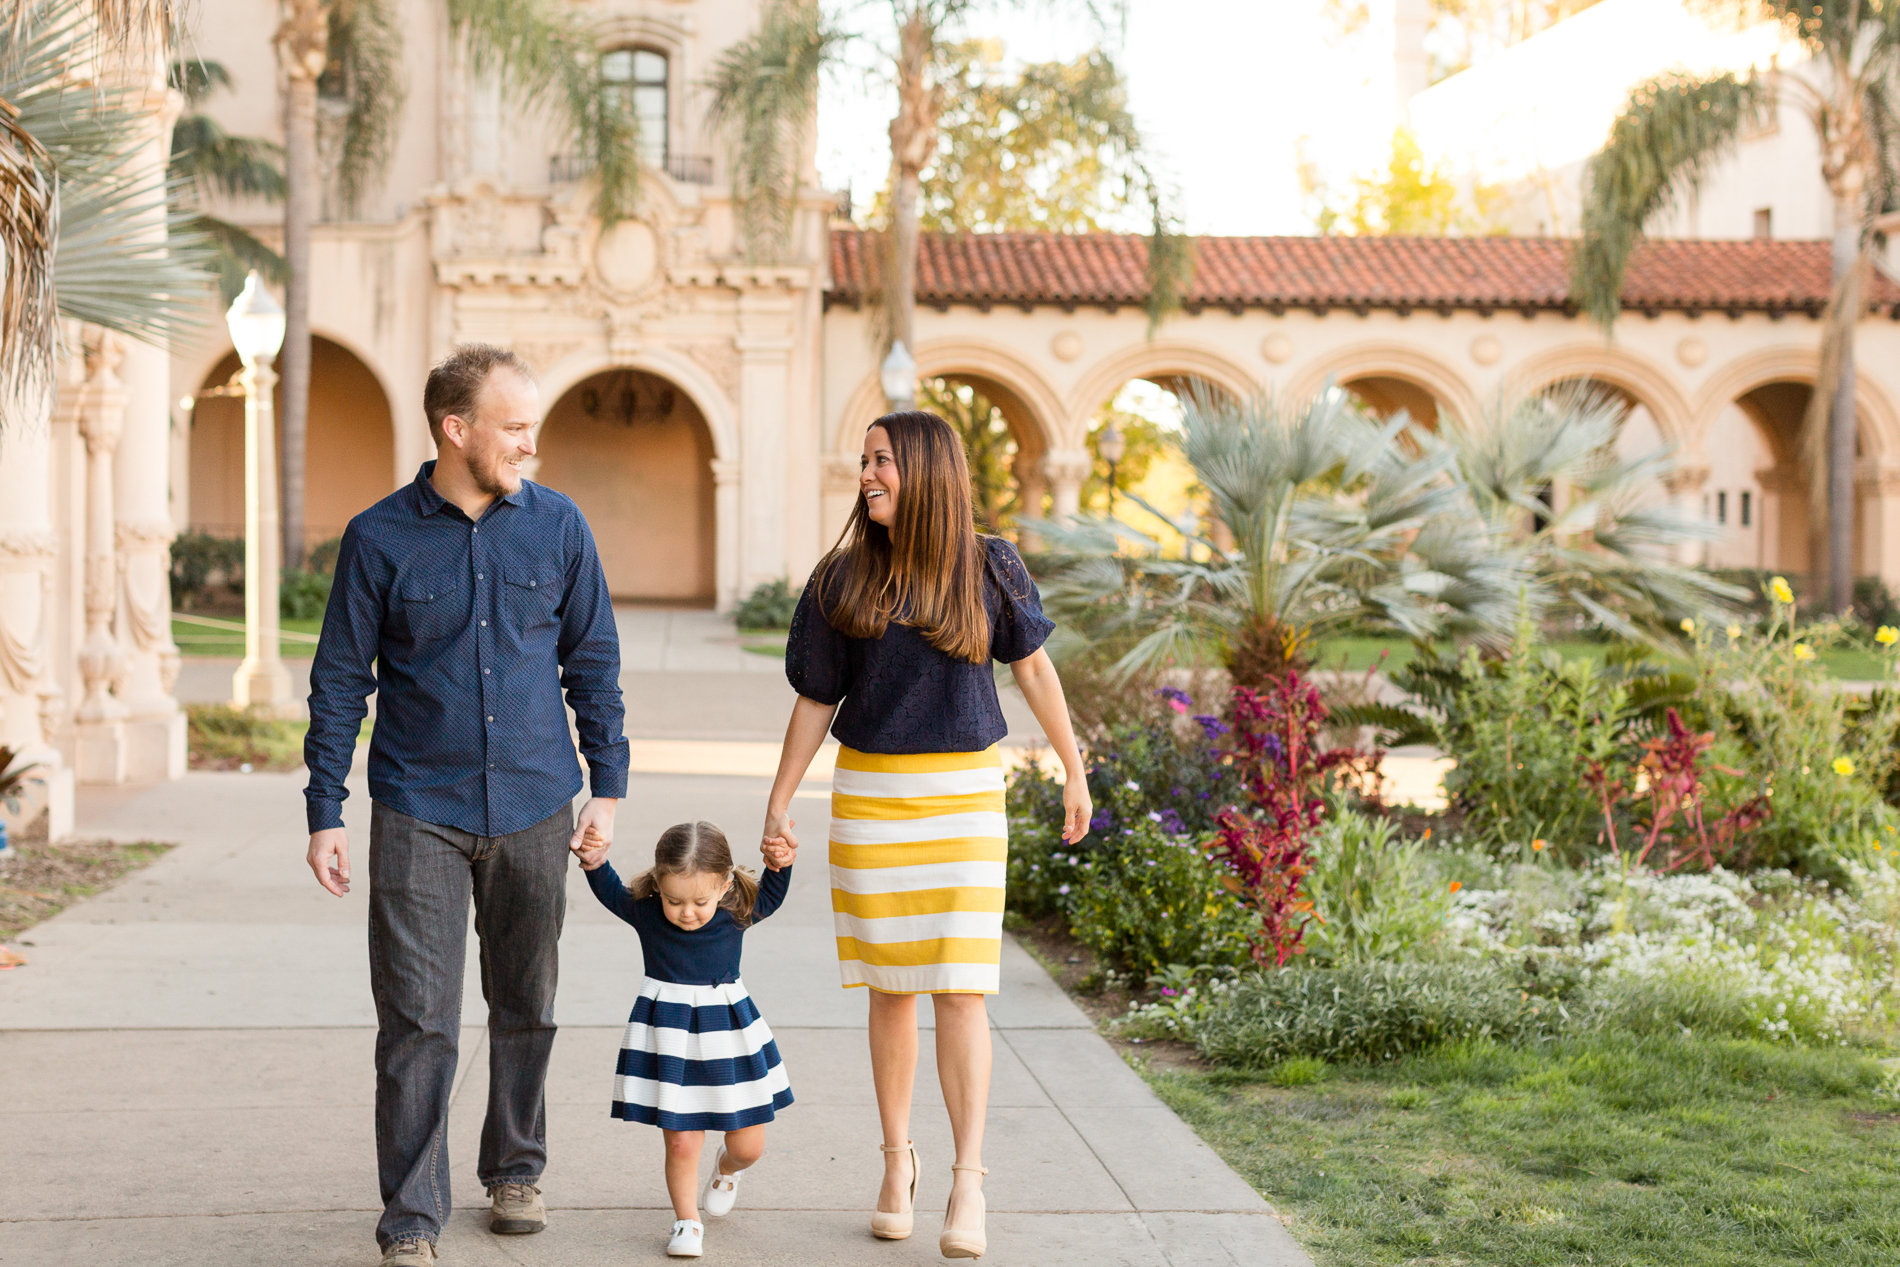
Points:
(1671, 1152)
(196, 639)
(1359, 654)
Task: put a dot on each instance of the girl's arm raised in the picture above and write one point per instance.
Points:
(803, 736)
(612, 893)
(1036, 679)
(771, 896)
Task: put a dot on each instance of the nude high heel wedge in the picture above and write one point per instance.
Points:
(959, 1242)
(896, 1227)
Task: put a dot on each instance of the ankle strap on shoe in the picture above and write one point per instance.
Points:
(904, 1147)
(981, 1170)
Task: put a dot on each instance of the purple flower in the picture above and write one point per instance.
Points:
(1064, 890)
(1169, 991)
(1212, 725)
(1102, 821)
(1170, 822)
(1178, 700)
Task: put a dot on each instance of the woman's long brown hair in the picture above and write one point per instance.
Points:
(693, 849)
(926, 570)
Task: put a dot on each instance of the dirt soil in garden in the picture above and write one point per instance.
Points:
(44, 879)
(1077, 970)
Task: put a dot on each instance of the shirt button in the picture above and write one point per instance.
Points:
(491, 719)
(484, 624)
(531, 584)
(478, 576)
(484, 672)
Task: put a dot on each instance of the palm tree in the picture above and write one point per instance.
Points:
(1671, 133)
(763, 94)
(74, 228)
(1337, 522)
(205, 159)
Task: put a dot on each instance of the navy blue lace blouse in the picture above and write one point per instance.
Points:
(899, 693)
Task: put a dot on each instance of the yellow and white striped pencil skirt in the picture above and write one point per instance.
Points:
(919, 845)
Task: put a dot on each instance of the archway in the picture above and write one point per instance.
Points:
(1387, 395)
(1004, 445)
(349, 447)
(634, 452)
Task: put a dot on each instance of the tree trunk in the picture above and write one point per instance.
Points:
(1842, 428)
(303, 47)
(913, 145)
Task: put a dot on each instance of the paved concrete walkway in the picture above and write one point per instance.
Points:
(187, 1064)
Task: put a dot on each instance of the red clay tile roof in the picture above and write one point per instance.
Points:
(1027, 269)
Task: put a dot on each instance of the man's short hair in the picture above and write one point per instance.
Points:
(458, 378)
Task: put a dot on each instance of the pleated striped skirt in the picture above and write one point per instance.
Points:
(698, 1058)
(919, 844)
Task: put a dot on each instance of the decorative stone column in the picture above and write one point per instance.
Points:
(1685, 495)
(99, 719)
(1066, 470)
(765, 349)
(725, 473)
(154, 725)
(1877, 494)
(838, 497)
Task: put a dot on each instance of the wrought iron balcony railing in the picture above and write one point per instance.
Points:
(690, 169)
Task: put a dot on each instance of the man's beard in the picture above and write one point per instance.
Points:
(489, 481)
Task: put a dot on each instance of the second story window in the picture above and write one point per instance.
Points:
(642, 72)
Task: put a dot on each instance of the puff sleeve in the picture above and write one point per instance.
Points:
(817, 662)
(1019, 627)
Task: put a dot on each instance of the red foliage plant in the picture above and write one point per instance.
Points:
(1282, 767)
(1671, 766)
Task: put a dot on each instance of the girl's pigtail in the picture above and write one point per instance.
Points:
(742, 896)
(644, 885)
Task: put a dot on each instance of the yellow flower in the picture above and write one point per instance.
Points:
(1539, 845)
(1887, 635)
(1779, 588)
(1734, 632)
(1843, 766)
(1802, 651)
(1688, 626)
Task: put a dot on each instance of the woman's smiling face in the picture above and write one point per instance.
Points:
(877, 477)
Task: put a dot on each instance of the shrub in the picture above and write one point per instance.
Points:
(223, 737)
(201, 563)
(1375, 1011)
(1788, 733)
(302, 595)
(1151, 899)
(1375, 894)
(770, 605)
(323, 555)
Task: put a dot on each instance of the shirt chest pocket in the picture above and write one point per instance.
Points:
(530, 595)
(433, 607)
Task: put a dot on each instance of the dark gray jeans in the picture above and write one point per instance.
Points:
(420, 878)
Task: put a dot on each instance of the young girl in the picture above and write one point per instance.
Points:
(697, 1055)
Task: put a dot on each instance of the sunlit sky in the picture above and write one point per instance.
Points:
(1224, 92)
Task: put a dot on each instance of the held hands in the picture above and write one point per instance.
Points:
(1076, 807)
(778, 843)
(591, 848)
(780, 852)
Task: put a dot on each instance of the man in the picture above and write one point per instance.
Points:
(468, 601)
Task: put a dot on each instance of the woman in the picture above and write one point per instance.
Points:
(894, 636)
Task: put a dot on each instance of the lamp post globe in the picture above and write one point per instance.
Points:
(262, 683)
(898, 377)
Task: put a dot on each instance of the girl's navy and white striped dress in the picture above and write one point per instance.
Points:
(697, 1055)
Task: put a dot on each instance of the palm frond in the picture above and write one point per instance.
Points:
(1671, 132)
(237, 251)
(109, 270)
(765, 98)
(547, 57)
(194, 79)
(366, 42)
(213, 160)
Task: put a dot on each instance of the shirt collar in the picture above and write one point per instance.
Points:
(432, 502)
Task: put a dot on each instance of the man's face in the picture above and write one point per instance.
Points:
(500, 436)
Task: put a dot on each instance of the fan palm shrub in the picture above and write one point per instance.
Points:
(1333, 521)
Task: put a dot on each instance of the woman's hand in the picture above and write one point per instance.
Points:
(779, 852)
(1077, 809)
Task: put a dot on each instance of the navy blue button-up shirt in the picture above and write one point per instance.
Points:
(468, 632)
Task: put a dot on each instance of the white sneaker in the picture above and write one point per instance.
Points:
(689, 1239)
(722, 1191)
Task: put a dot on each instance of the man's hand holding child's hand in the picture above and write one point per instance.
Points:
(779, 851)
(591, 849)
